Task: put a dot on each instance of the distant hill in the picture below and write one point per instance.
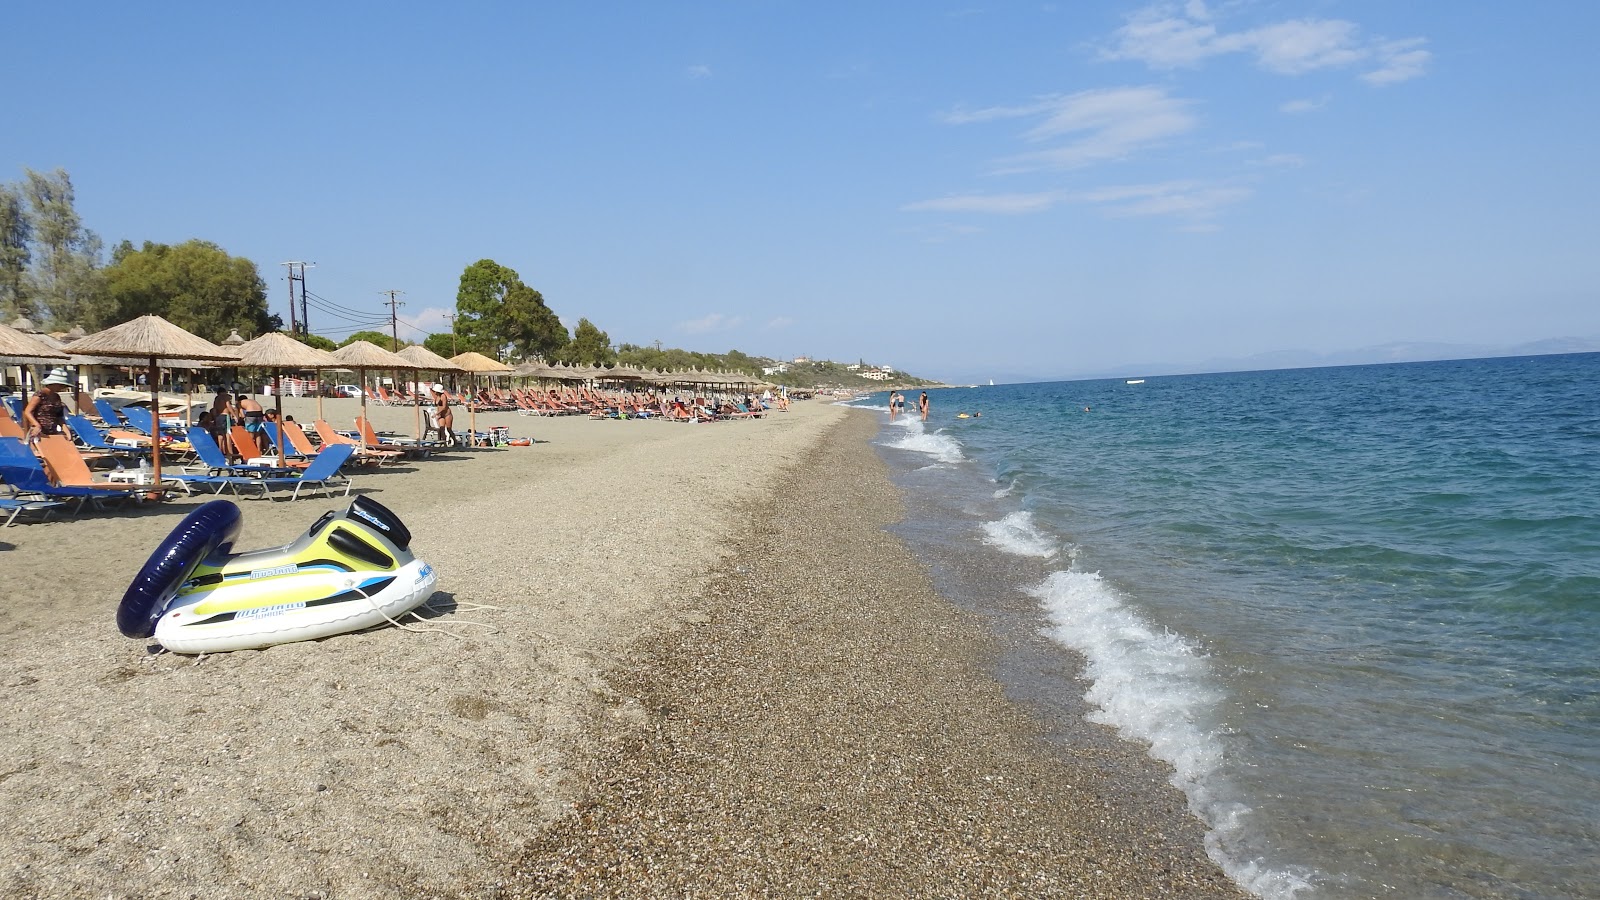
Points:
(1394, 352)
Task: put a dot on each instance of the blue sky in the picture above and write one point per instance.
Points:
(957, 190)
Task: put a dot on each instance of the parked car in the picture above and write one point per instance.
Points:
(346, 390)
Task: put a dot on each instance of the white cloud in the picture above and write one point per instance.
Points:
(1304, 45)
(997, 204)
(430, 320)
(710, 323)
(1164, 37)
(1107, 124)
(779, 322)
(1303, 105)
(1191, 200)
(1399, 61)
(1280, 161)
(698, 72)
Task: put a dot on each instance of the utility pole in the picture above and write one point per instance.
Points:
(394, 318)
(293, 328)
(303, 326)
(452, 318)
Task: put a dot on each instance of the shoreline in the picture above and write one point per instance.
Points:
(830, 726)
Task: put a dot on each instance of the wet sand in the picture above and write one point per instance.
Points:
(828, 726)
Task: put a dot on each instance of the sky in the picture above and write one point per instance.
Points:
(962, 191)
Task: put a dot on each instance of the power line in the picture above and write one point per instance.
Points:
(324, 301)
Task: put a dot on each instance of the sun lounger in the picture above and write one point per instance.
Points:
(332, 438)
(25, 473)
(67, 468)
(216, 462)
(322, 470)
(12, 507)
(11, 428)
(401, 445)
(103, 442)
(108, 413)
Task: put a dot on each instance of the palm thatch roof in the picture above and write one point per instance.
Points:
(619, 373)
(367, 355)
(536, 370)
(21, 347)
(276, 350)
(473, 361)
(146, 337)
(427, 359)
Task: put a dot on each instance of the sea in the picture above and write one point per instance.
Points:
(1356, 610)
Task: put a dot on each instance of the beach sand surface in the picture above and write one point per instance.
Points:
(664, 660)
(386, 763)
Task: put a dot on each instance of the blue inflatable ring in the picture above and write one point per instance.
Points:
(212, 527)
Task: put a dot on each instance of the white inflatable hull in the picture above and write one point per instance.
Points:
(303, 605)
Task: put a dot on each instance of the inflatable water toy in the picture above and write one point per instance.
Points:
(351, 570)
(519, 442)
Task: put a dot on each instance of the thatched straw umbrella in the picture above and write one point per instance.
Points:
(428, 361)
(364, 355)
(477, 364)
(21, 348)
(278, 351)
(150, 338)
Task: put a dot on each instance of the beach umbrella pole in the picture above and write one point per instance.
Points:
(277, 394)
(155, 427)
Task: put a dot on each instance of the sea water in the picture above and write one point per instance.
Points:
(1356, 610)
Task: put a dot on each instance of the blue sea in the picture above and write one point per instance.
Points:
(1356, 610)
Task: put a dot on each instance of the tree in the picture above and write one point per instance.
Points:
(16, 231)
(589, 346)
(494, 308)
(316, 340)
(196, 285)
(386, 341)
(66, 278)
(443, 344)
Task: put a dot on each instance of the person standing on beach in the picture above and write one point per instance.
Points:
(894, 398)
(254, 416)
(45, 410)
(922, 404)
(223, 415)
(443, 418)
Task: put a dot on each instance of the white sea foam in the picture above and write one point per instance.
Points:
(1018, 535)
(937, 444)
(1156, 687)
(1006, 491)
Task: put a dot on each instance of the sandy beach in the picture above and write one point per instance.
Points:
(665, 660)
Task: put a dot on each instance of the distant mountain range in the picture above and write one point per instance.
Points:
(1396, 352)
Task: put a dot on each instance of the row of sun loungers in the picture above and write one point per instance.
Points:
(54, 474)
(57, 475)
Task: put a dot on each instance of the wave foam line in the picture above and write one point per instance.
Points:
(1152, 686)
(941, 447)
(1018, 535)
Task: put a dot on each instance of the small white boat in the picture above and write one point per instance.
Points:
(1134, 381)
(171, 407)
